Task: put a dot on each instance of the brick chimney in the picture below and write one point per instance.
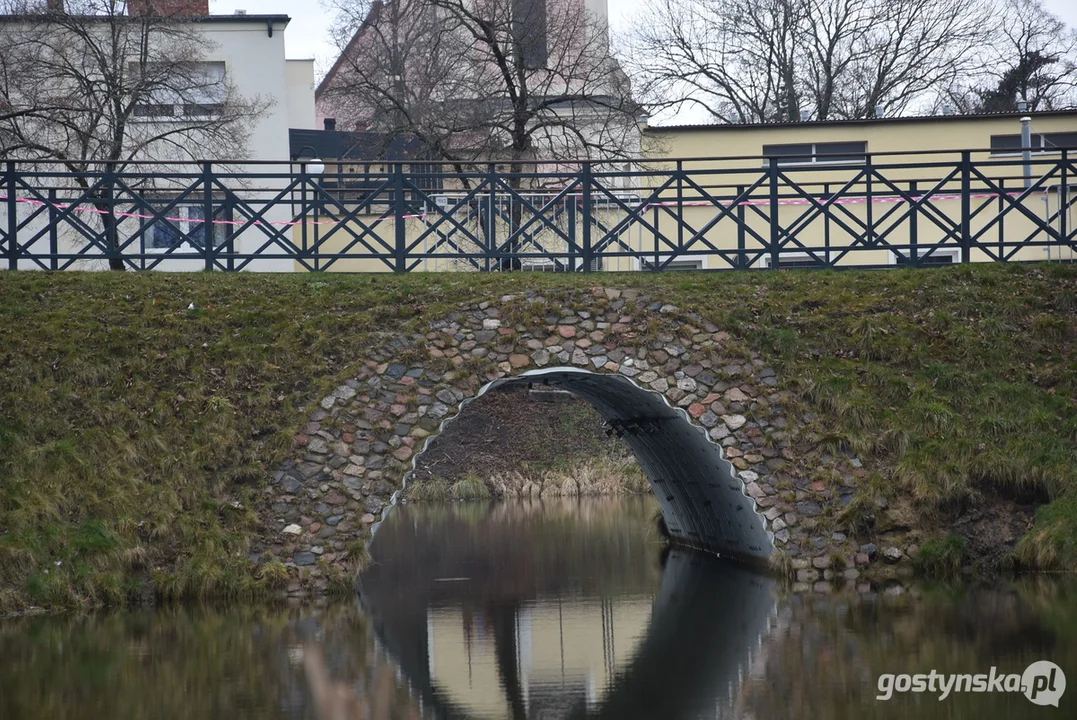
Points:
(56, 6)
(168, 7)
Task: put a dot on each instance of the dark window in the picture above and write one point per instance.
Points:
(535, 265)
(1060, 140)
(529, 28)
(796, 260)
(843, 152)
(674, 265)
(155, 110)
(196, 110)
(800, 261)
(1006, 144)
(808, 153)
(184, 224)
(935, 258)
(1041, 143)
(790, 153)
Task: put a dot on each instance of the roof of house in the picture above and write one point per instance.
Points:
(860, 121)
(341, 145)
(372, 17)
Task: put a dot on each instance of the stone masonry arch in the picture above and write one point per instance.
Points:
(704, 417)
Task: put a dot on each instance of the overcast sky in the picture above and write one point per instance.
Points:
(307, 35)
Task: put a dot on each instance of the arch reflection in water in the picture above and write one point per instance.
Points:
(540, 609)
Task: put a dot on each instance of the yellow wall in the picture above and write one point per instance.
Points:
(884, 136)
(728, 178)
(559, 644)
(724, 163)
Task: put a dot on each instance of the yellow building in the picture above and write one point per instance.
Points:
(815, 165)
(876, 192)
(566, 651)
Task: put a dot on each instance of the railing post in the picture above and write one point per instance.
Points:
(1064, 203)
(775, 224)
(112, 235)
(12, 245)
(966, 206)
(588, 250)
(572, 210)
(1002, 223)
(303, 210)
(680, 208)
(826, 223)
(658, 238)
(491, 218)
(207, 214)
(54, 233)
(914, 228)
(869, 210)
(400, 210)
(316, 225)
(742, 256)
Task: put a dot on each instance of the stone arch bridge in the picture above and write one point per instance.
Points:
(705, 418)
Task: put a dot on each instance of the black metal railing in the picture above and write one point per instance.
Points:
(925, 208)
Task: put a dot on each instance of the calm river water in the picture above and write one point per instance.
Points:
(546, 610)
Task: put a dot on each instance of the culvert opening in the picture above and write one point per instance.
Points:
(704, 504)
(519, 442)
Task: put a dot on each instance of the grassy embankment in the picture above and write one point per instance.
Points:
(136, 435)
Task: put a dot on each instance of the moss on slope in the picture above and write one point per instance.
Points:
(136, 433)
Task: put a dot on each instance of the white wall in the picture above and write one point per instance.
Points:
(257, 67)
(599, 8)
(301, 115)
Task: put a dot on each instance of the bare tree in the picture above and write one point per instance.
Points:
(93, 88)
(771, 60)
(1033, 57)
(505, 80)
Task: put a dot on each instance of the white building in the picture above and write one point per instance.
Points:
(249, 50)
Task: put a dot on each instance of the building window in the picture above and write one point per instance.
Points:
(792, 260)
(929, 256)
(154, 111)
(185, 224)
(193, 90)
(1042, 143)
(828, 153)
(530, 33)
(688, 263)
(200, 110)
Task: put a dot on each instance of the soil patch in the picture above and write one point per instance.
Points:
(992, 527)
(506, 430)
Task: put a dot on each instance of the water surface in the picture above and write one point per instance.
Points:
(559, 609)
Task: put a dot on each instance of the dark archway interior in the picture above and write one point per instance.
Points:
(704, 504)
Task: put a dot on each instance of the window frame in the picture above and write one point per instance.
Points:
(764, 261)
(949, 251)
(186, 226)
(1041, 149)
(814, 160)
(186, 108)
(645, 264)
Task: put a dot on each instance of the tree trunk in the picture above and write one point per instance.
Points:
(108, 219)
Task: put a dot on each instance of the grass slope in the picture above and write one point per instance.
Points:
(136, 434)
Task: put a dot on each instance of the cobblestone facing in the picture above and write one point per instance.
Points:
(360, 440)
